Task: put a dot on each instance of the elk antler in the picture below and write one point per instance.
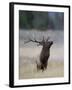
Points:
(38, 42)
(47, 39)
(30, 40)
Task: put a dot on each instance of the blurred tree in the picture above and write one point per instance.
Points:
(41, 20)
(25, 19)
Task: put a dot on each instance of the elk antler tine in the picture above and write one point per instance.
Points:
(38, 44)
(26, 42)
(48, 38)
(43, 37)
(34, 39)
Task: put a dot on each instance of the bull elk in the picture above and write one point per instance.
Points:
(45, 52)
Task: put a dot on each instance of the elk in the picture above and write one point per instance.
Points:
(45, 52)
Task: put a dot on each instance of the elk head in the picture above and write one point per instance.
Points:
(46, 43)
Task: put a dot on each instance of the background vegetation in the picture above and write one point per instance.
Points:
(41, 20)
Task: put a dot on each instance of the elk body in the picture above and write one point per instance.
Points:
(44, 56)
(45, 52)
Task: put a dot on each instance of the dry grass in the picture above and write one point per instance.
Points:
(27, 63)
(29, 70)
